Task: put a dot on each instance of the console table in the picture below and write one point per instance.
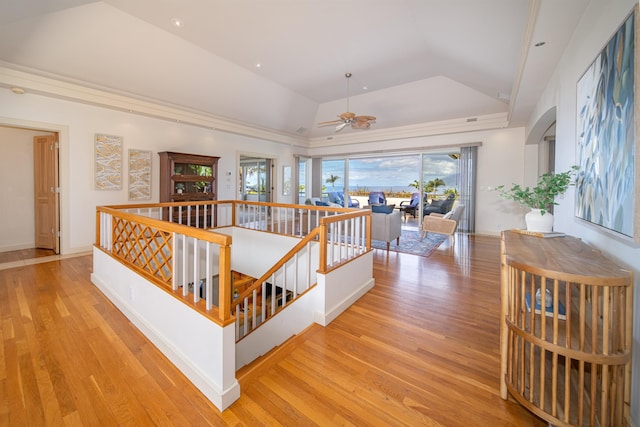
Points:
(566, 355)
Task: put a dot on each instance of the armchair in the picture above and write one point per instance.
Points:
(440, 206)
(338, 198)
(442, 224)
(377, 198)
(410, 206)
(386, 227)
(317, 201)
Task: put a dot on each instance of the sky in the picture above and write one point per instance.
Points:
(391, 173)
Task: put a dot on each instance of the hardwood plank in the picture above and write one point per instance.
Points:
(421, 348)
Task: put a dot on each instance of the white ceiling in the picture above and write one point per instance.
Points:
(422, 61)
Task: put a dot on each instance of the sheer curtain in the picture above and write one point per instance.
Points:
(468, 172)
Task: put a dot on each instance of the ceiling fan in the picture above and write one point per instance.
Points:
(348, 118)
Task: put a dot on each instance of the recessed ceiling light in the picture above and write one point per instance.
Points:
(17, 90)
(258, 65)
(177, 22)
(540, 44)
(364, 88)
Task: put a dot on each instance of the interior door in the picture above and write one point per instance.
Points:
(47, 196)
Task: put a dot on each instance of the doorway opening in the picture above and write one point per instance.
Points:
(256, 179)
(29, 169)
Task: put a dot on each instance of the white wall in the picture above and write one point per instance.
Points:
(78, 124)
(600, 21)
(501, 160)
(16, 175)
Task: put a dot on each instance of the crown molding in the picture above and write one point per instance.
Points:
(56, 88)
(478, 123)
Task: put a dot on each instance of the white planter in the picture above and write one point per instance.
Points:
(537, 222)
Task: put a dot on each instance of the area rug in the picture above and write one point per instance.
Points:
(410, 243)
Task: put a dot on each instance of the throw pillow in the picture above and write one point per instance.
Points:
(386, 209)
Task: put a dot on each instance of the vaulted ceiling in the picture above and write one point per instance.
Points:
(421, 61)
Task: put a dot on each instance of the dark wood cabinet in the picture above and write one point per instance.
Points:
(186, 178)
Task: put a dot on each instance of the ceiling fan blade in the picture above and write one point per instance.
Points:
(332, 122)
(361, 125)
(340, 126)
(365, 118)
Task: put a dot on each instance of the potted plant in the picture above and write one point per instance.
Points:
(541, 197)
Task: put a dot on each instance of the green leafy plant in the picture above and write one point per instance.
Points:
(543, 194)
(332, 180)
(433, 186)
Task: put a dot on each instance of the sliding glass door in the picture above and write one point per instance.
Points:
(440, 175)
(432, 175)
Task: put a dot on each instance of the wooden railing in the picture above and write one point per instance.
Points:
(194, 263)
(171, 256)
(340, 238)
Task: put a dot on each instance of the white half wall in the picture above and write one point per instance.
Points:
(201, 349)
(334, 293)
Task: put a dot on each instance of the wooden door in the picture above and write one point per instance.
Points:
(46, 190)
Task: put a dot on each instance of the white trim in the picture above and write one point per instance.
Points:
(47, 86)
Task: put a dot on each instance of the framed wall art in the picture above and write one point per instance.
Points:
(607, 152)
(139, 174)
(108, 162)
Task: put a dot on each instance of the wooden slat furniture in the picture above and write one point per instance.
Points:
(571, 366)
(437, 223)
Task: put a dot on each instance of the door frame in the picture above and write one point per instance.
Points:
(63, 168)
(270, 182)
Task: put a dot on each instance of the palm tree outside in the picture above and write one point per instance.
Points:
(332, 180)
(433, 186)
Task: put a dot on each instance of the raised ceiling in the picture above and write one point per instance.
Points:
(421, 61)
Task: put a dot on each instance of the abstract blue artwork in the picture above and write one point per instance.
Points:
(605, 186)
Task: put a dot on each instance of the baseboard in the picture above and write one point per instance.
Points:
(331, 315)
(20, 247)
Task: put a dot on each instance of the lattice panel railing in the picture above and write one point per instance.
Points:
(147, 248)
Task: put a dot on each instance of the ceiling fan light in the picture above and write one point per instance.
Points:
(341, 126)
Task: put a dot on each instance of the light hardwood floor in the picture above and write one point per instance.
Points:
(421, 348)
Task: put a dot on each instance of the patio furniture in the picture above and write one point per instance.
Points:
(338, 198)
(440, 206)
(317, 201)
(377, 198)
(410, 206)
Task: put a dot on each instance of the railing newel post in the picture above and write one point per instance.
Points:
(324, 243)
